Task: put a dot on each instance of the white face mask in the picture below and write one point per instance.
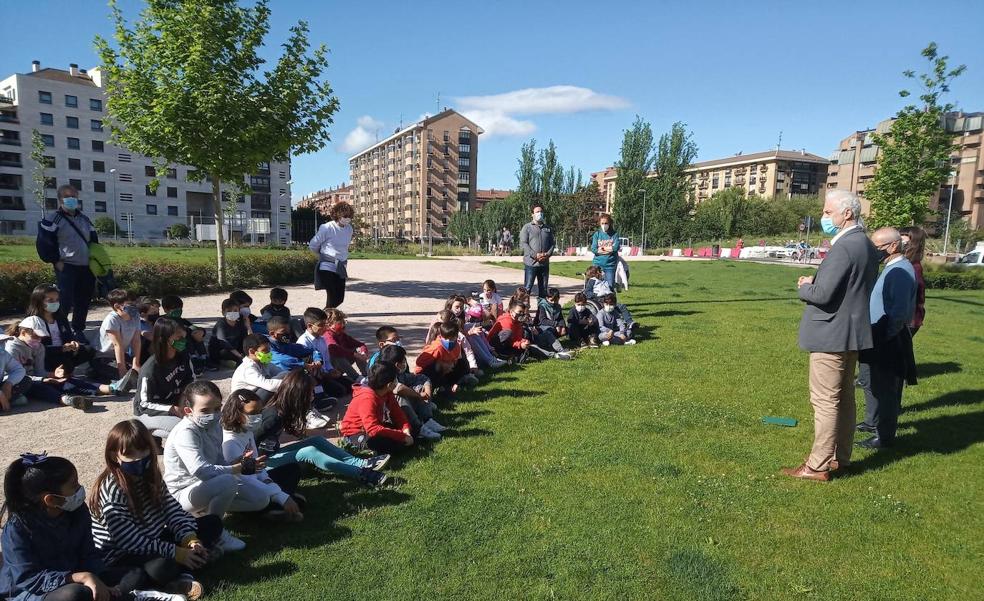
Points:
(538, 217)
(253, 421)
(75, 501)
(232, 315)
(606, 227)
(344, 221)
(609, 308)
(580, 308)
(202, 420)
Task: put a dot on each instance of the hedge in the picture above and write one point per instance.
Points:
(955, 278)
(157, 278)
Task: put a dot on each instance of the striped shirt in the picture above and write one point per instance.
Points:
(117, 532)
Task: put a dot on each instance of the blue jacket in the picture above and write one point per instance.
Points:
(40, 553)
(288, 355)
(610, 260)
(893, 299)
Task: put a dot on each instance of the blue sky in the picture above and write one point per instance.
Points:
(736, 73)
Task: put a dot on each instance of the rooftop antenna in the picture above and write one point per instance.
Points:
(401, 122)
(438, 102)
(779, 145)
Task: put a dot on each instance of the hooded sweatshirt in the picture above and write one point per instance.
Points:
(506, 330)
(31, 358)
(435, 352)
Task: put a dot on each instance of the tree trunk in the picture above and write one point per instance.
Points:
(218, 213)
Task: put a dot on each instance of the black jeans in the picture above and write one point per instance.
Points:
(124, 579)
(76, 285)
(446, 380)
(334, 288)
(540, 273)
(882, 399)
(56, 355)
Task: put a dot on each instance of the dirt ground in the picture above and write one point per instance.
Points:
(402, 293)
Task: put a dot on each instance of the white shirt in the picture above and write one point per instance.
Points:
(332, 240)
(253, 375)
(317, 343)
(834, 240)
(234, 446)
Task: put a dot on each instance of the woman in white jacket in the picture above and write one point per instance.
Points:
(331, 244)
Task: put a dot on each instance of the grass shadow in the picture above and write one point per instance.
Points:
(962, 301)
(950, 399)
(928, 370)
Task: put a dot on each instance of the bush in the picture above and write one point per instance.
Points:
(951, 277)
(178, 231)
(17, 280)
(105, 226)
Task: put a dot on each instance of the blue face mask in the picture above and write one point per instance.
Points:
(135, 468)
(448, 344)
(827, 224)
(71, 203)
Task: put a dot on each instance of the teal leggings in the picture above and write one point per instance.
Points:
(319, 452)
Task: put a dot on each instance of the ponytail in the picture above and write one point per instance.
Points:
(31, 477)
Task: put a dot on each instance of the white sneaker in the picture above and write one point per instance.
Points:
(315, 420)
(496, 363)
(606, 343)
(630, 341)
(428, 434)
(563, 356)
(229, 543)
(433, 426)
(156, 596)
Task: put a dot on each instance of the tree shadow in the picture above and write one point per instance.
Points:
(951, 399)
(943, 435)
(670, 313)
(928, 370)
(962, 301)
(437, 290)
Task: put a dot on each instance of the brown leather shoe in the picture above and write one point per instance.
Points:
(805, 473)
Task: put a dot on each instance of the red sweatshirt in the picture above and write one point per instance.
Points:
(435, 352)
(365, 413)
(506, 322)
(340, 344)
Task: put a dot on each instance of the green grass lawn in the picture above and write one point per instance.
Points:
(645, 473)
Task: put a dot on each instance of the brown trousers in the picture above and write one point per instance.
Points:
(834, 412)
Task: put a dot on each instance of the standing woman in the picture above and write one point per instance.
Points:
(605, 246)
(914, 240)
(331, 244)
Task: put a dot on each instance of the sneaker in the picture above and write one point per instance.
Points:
(606, 343)
(562, 356)
(315, 420)
(155, 596)
(630, 341)
(127, 383)
(468, 381)
(496, 363)
(428, 434)
(186, 585)
(434, 426)
(377, 462)
(77, 401)
(593, 342)
(229, 543)
(372, 478)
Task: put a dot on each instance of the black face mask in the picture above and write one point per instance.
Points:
(284, 338)
(153, 317)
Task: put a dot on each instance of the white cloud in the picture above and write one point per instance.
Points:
(363, 136)
(495, 113)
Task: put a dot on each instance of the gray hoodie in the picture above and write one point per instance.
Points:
(31, 358)
(193, 454)
(11, 369)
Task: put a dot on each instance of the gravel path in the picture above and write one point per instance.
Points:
(403, 293)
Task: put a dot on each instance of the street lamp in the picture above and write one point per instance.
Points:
(643, 190)
(949, 211)
(116, 208)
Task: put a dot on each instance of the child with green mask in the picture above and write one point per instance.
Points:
(257, 372)
(162, 378)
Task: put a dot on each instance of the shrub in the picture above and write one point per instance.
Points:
(105, 226)
(954, 278)
(178, 231)
(17, 280)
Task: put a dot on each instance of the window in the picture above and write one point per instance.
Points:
(72, 122)
(151, 209)
(464, 162)
(464, 177)
(98, 146)
(51, 183)
(149, 191)
(71, 101)
(11, 203)
(95, 104)
(98, 186)
(48, 139)
(446, 136)
(16, 226)
(125, 177)
(47, 119)
(49, 162)
(172, 210)
(73, 143)
(44, 97)
(172, 192)
(75, 183)
(99, 166)
(96, 125)
(75, 164)
(172, 173)
(150, 171)
(100, 206)
(126, 196)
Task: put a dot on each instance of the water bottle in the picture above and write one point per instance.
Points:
(316, 357)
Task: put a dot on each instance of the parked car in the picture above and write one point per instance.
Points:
(974, 258)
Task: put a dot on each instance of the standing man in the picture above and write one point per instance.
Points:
(63, 240)
(835, 327)
(890, 363)
(537, 242)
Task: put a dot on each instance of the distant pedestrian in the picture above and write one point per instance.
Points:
(331, 244)
(505, 241)
(537, 241)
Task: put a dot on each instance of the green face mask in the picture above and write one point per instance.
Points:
(174, 314)
(264, 358)
(179, 345)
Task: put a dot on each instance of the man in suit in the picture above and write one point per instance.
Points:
(890, 362)
(835, 327)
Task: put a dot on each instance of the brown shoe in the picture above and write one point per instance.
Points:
(806, 473)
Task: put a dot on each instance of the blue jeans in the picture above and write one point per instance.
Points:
(319, 452)
(76, 285)
(609, 276)
(540, 273)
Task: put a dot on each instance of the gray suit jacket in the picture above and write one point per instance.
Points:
(836, 317)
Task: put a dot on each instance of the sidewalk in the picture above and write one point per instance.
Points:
(403, 293)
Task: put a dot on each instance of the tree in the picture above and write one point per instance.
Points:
(186, 85)
(635, 162)
(40, 163)
(668, 217)
(529, 182)
(178, 231)
(915, 155)
(107, 226)
(585, 205)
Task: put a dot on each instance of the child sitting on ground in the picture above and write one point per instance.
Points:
(149, 310)
(413, 393)
(48, 553)
(467, 352)
(344, 349)
(385, 336)
(24, 344)
(287, 355)
(173, 307)
(374, 419)
(63, 347)
(256, 373)
(582, 324)
(245, 301)
(277, 306)
(196, 472)
(490, 299)
(225, 347)
(13, 381)
(441, 360)
(477, 349)
(138, 524)
(550, 321)
(595, 285)
(120, 339)
(331, 382)
(614, 328)
(508, 337)
(163, 378)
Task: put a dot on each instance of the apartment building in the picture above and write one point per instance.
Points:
(773, 173)
(67, 107)
(322, 200)
(853, 164)
(408, 185)
(484, 197)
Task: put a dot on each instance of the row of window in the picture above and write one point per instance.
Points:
(95, 104)
(71, 122)
(73, 143)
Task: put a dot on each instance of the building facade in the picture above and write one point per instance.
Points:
(774, 173)
(322, 200)
(484, 197)
(853, 164)
(408, 185)
(67, 107)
